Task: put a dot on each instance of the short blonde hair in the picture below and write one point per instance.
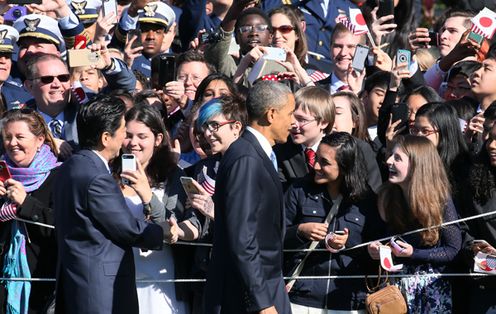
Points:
(317, 101)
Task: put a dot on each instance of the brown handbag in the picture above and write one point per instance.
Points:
(386, 300)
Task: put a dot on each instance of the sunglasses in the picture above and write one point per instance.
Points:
(284, 29)
(48, 79)
(250, 28)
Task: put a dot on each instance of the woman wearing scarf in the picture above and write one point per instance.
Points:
(26, 249)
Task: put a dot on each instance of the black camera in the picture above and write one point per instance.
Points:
(210, 37)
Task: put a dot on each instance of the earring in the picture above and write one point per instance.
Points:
(38, 149)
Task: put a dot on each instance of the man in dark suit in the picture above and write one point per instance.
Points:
(95, 229)
(245, 274)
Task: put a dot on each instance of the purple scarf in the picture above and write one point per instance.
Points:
(39, 169)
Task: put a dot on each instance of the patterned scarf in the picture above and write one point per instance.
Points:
(15, 261)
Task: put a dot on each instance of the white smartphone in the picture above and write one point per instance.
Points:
(128, 164)
(189, 186)
(110, 6)
(274, 53)
(339, 232)
(361, 53)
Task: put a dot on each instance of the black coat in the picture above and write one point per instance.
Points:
(245, 273)
(41, 249)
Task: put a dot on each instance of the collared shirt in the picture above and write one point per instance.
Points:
(336, 83)
(262, 140)
(105, 161)
(314, 147)
(59, 117)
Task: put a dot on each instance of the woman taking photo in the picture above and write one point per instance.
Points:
(27, 250)
(314, 209)
(154, 192)
(418, 196)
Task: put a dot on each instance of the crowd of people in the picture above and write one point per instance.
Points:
(248, 168)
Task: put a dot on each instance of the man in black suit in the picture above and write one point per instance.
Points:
(245, 274)
(95, 229)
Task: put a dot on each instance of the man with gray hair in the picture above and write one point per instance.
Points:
(245, 273)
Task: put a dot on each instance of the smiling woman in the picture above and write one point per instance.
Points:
(30, 155)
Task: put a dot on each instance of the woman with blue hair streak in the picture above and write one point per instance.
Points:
(220, 122)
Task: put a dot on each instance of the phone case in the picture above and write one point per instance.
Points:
(128, 164)
(188, 185)
(403, 56)
(4, 171)
(163, 70)
(82, 57)
(110, 6)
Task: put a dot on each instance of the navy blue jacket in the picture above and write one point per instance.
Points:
(95, 235)
(309, 202)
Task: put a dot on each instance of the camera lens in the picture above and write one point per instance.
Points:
(17, 13)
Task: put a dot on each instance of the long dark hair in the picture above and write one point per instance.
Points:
(451, 146)
(162, 162)
(351, 165)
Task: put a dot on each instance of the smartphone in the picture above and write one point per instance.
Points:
(399, 111)
(137, 42)
(361, 54)
(275, 54)
(478, 241)
(403, 56)
(475, 37)
(14, 13)
(82, 57)
(128, 164)
(339, 232)
(24, 1)
(204, 38)
(386, 7)
(394, 244)
(434, 39)
(110, 6)
(163, 70)
(189, 186)
(4, 171)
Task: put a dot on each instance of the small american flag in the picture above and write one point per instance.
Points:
(8, 211)
(206, 182)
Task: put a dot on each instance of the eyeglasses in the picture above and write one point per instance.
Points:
(302, 122)
(48, 79)
(284, 29)
(250, 28)
(419, 132)
(213, 126)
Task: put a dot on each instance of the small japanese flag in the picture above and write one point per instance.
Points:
(484, 23)
(358, 21)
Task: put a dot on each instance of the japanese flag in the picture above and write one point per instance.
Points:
(358, 21)
(484, 23)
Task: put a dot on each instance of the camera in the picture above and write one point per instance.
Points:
(210, 37)
(14, 13)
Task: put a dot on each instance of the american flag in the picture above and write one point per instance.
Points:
(8, 211)
(206, 182)
(318, 76)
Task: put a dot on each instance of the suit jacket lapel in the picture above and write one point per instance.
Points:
(101, 168)
(267, 163)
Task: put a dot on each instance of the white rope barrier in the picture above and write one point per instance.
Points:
(193, 280)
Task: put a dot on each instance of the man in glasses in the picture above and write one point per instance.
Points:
(156, 21)
(251, 29)
(48, 80)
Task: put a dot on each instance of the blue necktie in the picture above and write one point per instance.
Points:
(56, 128)
(273, 159)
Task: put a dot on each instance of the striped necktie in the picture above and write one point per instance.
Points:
(56, 128)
